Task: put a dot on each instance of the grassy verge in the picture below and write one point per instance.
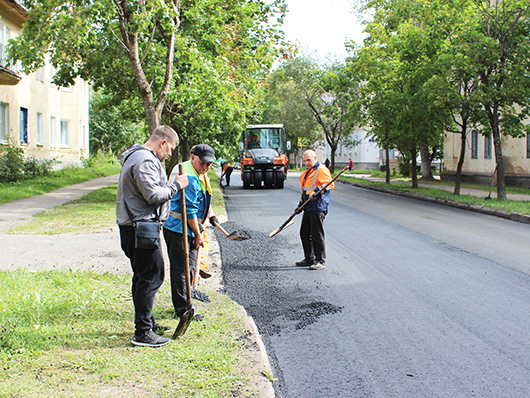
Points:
(56, 179)
(507, 205)
(67, 334)
(94, 211)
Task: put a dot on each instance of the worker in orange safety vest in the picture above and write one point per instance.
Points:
(312, 181)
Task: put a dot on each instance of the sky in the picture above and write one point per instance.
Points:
(322, 26)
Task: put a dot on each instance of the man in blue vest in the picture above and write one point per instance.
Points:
(198, 198)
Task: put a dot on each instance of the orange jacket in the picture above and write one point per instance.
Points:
(226, 166)
(310, 180)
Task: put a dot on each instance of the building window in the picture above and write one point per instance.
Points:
(487, 146)
(23, 125)
(64, 133)
(39, 129)
(474, 144)
(4, 122)
(2, 44)
(39, 75)
(53, 128)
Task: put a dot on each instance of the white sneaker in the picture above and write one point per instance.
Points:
(318, 266)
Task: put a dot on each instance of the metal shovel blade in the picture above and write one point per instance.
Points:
(185, 321)
(234, 236)
(278, 230)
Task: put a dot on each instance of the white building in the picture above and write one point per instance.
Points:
(45, 120)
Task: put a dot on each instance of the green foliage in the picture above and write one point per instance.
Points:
(224, 53)
(317, 102)
(14, 166)
(115, 127)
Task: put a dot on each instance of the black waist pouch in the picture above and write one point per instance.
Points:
(147, 235)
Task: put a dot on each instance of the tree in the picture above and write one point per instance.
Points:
(117, 44)
(502, 52)
(282, 101)
(394, 64)
(222, 62)
(330, 95)
(114, 127)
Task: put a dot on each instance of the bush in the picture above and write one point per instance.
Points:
(14, 166)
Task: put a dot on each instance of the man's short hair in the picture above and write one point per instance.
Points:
(165, 133)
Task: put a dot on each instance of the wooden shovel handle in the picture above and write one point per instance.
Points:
(184, 217)
(221, 229)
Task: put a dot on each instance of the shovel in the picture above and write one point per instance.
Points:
(187, 317)
(232, 236)
(298, 209)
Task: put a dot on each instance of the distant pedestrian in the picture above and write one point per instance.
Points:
(326, 163)
(312, 227)
(227, 172)
(350, 165)
(143, 195)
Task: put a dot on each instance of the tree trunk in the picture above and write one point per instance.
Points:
(458, 175)
(332, 161)
(426, 171)
(127, 24)
(387, 178)
(413, 169)
(493, 117)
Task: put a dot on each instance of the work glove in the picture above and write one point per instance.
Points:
(298, 210)
(214, 221)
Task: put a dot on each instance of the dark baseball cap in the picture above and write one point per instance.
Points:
(204, 152)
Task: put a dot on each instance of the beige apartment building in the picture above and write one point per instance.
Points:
(45, 120)
(479, 162)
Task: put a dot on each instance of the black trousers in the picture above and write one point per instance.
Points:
(229, 171)
(312, 236)
(148, 275)
(177, 267)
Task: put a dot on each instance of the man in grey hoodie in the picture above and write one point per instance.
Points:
(143, 195)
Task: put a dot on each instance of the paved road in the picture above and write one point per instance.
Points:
(417, 300)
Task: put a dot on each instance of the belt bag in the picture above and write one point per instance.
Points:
(147, 235)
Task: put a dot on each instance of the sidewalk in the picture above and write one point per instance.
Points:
(28, 207)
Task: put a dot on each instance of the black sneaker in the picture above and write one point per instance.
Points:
(149, 339)
(304, 263)
(161, 329)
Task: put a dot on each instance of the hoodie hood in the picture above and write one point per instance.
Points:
(131, 150)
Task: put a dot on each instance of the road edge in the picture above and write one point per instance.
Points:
(519, 217)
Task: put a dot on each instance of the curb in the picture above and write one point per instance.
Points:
(519, 217)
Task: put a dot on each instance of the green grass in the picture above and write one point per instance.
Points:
(56, 179)
(218, 201)
(66, 333)
(507, 205)
(92, 212)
